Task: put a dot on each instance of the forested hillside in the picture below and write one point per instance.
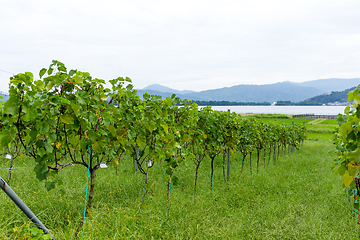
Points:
(330, 98)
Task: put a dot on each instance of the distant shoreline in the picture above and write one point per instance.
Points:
(279, 103)
(289, 110)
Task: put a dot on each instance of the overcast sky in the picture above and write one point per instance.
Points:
(187, 44)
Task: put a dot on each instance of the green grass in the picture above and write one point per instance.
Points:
(329, 121)
(269, 115)
(286, 120)
(312, 125)
(298, 198)
(321, 128)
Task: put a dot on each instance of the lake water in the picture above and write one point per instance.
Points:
(293, 110)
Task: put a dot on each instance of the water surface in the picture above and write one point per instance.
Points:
(293, 110)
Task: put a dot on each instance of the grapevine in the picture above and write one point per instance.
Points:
(66, 115)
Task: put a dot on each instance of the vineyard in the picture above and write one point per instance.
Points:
(150, 162)
(347, 141)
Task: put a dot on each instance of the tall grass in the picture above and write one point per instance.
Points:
(298, 198)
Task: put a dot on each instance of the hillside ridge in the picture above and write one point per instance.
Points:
(282, 91)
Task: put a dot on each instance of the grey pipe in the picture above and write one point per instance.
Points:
(12, 195)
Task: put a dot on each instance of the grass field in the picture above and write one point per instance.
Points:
(329, 121)
(298, 198)
(286, 120)
(312, 125)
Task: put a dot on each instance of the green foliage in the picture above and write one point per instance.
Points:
(285, 103)
(334, 96)
(62, 113)
(27, 232)
(347, 151)
(67, 117)
(65, 112)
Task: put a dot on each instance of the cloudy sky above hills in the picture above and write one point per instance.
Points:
(194, 45)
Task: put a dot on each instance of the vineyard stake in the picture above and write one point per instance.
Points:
(242, 163)
(12, 195)
(274, 153)
(228, 165)
(257, 163)
(250, 164)
(212, 172)
(264, 157)
(136, 159)
(170, 183)
(224, 155)
(87, 184)
(149, 164)
(228, 159)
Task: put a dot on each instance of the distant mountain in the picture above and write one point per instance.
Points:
(332, 84)
(283, 91)
(258, 93)
(248, 93)
(163, 89)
